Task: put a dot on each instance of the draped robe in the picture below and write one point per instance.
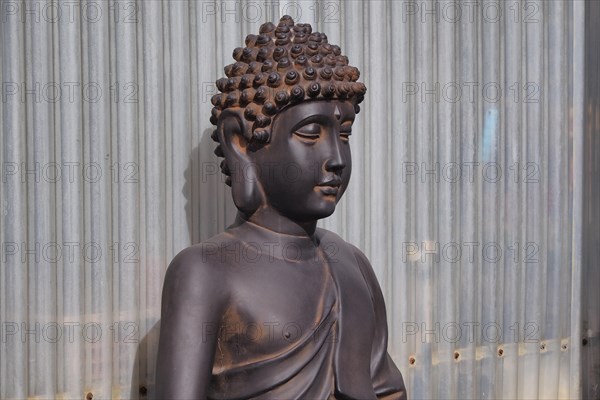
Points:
(299, 331)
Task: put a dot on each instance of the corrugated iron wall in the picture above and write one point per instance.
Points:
(590, 352)
(466, 188)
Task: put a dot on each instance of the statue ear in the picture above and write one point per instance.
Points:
(233, 132)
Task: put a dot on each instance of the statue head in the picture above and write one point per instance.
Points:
(284, 117)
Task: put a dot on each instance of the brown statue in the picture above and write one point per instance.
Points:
(275, 308)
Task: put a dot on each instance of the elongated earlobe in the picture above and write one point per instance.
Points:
(246, 189)
(232, 132)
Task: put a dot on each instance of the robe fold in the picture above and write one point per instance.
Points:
(343, 356)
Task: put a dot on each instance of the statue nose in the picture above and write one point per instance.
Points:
(335, 160)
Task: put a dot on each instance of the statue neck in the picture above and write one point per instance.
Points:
(269, 218)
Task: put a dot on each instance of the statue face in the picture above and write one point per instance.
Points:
(306, 167)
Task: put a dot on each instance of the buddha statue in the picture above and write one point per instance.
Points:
(274, 307)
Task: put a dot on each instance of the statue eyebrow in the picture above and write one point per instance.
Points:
(318, 118)
(315, 118)
(311, 119)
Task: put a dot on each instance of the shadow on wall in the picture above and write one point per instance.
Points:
(199, 190)
(203, 178)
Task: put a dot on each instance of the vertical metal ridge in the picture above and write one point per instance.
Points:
(578, 43)
(469, 272)
(154, 178)
(356, 191)
(41, 291)
(512, 238)
(557, 206)
(365, 52)
(13, 365)
(140, 319)
(490, 153)
(3, 209)
(168, 137)
(567, 196)
(400, 132)
(447, 181)
(425, 203)
(379, 131)
(98, 209)
(534, 272)
(126, 296)
(70, 288)
(210, 180)
(193, 167)
(412, 184)
(180, 118)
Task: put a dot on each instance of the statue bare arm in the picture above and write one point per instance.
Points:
(387, 380)
(193, 301)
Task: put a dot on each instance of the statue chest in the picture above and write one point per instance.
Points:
(313, 321)
(274, 306)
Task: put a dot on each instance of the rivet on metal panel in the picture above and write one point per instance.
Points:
(500, 352)
(542, 346)
(584, 342)
(89, 396)
(143, 391)
(412, 360)
(564, 346)
(456, 355)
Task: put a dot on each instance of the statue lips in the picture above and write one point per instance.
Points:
(330, 187)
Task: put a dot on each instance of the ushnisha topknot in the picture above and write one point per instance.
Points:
(282, 65)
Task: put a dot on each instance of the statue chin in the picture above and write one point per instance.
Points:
(317, 206)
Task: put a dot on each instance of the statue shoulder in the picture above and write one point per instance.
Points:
(194, 298)
(197, 271)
